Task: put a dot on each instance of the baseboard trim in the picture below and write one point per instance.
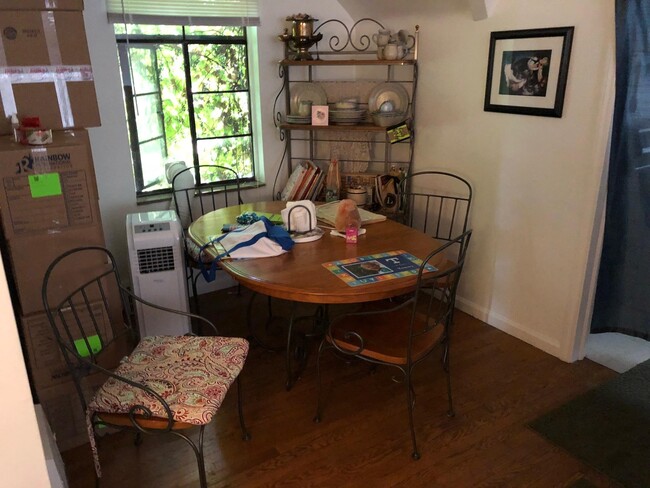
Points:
(514, 329)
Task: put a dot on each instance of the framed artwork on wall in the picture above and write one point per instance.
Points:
(527, 71)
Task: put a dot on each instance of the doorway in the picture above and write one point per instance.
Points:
(616, 351)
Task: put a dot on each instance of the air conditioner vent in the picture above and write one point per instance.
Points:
(155, 242)
(155, 260)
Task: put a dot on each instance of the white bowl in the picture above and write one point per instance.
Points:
(387, 106)
(346, 105)
(357, 195)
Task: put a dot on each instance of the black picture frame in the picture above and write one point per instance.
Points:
(527, 71)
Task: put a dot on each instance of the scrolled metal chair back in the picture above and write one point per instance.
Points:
(436, 202)
(211, 187)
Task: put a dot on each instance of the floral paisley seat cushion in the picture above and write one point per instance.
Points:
(192, 374)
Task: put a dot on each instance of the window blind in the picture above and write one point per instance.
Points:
(184, 12)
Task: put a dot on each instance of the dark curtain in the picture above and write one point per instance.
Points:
(623, 292)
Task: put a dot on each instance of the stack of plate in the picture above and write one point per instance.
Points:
(347, 116)
(386, 119)
(298, 119)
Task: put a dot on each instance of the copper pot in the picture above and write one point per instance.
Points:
(302, 28)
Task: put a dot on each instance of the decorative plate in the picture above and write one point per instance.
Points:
(297, 119)
(394, 93)
(306, 92)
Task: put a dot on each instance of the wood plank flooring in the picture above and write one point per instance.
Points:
(499, 384)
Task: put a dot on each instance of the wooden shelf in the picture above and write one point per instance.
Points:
(348, 62)
(359, 127)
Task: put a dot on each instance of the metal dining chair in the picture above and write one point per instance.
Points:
(403, 336)
(196, 191)
(436, 202)
(161, 384)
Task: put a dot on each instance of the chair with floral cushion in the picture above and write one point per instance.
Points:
(166, 384)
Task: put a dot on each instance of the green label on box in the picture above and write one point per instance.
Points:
(45, 185)
(82, 348)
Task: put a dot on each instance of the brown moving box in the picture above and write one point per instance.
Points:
(48, 367)
(41, 5)
(64, 412)
(48, 66)
(30, 257)
(56, 391)
(47, 189)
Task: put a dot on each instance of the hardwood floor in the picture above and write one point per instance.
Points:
(499, 384)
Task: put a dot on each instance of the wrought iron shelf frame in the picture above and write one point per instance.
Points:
(345, 50)
(348, 62)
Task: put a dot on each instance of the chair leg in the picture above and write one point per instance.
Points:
(319, 405)
(410, 401)
(252, 335)
(450, 412)
(245, 434)
(290, 379)
(195, 294)
(198, 452)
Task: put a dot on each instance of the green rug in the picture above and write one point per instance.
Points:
(608, 427)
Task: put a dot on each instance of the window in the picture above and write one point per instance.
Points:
(187, 98)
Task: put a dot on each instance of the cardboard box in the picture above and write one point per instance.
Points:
(65, 415)
(61, 403)
(47, 364)
(30, 257)
(41, 5)
(48, 68)
(64, 412)
(47, 189)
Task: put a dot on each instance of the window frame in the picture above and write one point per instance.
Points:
(185, 41)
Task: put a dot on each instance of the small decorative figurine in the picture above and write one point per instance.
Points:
(347, 215)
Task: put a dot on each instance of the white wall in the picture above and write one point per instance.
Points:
(22, 459)
(536, 179)
(110, 141)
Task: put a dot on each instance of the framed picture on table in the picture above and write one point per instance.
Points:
(319, 115)
(527, 71)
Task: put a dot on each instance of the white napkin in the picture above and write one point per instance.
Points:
(336, 233)
(302, 219)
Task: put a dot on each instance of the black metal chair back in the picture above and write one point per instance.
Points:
(89, 315)
(201, 189)
(436, 202)
(435, 293)
(197, 191)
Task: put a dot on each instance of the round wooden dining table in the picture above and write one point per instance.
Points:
(299, 275)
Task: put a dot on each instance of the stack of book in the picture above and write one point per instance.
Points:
(305, 183)
(326, 215)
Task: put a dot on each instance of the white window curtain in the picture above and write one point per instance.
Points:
(184, 12)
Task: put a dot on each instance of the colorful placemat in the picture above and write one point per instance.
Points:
(376, 268)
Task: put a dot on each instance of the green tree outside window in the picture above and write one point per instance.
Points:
(187, 98)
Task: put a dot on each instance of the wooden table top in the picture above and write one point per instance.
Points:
(299, 274)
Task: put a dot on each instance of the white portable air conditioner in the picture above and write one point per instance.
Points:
(158, 271)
